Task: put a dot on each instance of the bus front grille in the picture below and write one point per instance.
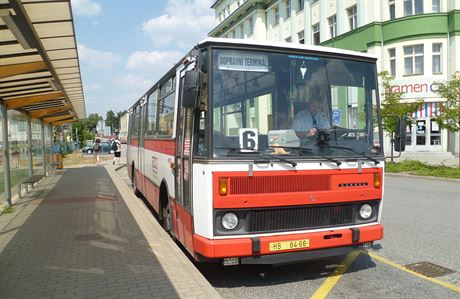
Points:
(297, 218)
(279, 184)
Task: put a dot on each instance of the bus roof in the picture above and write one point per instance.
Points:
(249, 42)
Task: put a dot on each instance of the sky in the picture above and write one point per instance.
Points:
(125, 46)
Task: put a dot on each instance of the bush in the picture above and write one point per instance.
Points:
(420, 168)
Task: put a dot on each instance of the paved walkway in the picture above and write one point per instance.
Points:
(78, 236)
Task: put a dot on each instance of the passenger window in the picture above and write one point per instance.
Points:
(152, 114)
(166, 109)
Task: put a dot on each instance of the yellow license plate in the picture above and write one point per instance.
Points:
(276, 246)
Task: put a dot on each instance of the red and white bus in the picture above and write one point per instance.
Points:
(216, 147)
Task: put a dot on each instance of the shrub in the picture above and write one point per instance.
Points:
(420, 168)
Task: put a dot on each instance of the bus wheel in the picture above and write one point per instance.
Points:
(166, 216)
(136, 191)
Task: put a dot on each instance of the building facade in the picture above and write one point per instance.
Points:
(416, 41)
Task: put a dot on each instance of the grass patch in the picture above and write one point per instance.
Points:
(8, 209)
(420, 168)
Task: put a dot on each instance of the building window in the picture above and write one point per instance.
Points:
(301, 37)
(391, 7)
(239, 3)
(288, 9)
(392, 54)
(413, 60)
(316, 34)
(287, 39)
(436, 6)
(277, 16)
(352, 17)
(251, 26)
(332, 25)
(437, 61)
(300, 5)
(313, 2)
(413, 7)
(228, 10)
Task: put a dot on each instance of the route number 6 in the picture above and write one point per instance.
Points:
(248, 139)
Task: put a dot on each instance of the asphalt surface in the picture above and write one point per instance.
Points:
(422, 223)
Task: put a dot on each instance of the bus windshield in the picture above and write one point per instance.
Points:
(293, 105)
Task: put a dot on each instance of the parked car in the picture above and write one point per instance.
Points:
(106, 148)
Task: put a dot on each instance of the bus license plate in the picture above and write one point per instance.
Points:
(276, 246)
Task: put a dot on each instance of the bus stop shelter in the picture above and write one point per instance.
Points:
(40, 85)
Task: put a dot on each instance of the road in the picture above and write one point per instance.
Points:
(421, 217)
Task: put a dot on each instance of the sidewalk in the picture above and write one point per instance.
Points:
(78, 236)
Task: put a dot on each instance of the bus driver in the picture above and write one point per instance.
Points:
(307, 122)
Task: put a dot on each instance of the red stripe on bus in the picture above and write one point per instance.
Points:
(243, 246)
(134, 142)
(167, 147)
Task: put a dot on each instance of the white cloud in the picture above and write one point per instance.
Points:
(92, 87)
(150, 66)
(97, 59)
(185, 23)
(134, 82)
(153, 62)
(86, 7)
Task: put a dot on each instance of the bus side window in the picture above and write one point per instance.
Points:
(152, 114)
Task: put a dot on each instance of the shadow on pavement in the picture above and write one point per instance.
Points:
(80, 241)
(269, 275)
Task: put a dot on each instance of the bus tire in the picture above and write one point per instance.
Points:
(133, 180)
(166, 219)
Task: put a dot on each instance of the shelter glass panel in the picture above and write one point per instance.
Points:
(2, 181)
(17, 138)
(37, 147)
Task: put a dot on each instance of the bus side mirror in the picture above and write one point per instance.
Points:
(190, 88)
(400, 135)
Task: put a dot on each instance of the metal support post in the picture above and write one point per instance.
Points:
(42, 125)
(6, 154)
(29, 142)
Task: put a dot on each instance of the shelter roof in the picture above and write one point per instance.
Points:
(39, 65)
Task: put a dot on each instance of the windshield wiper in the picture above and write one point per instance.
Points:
(249, 151)
(353, 151)
(310, 151)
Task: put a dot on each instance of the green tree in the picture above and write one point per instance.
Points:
(112, 120)
(449, 117)
(80, 128)
(393, 108)
(91, 121)
(85, 128)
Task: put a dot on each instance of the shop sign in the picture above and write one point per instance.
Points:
(416, 88)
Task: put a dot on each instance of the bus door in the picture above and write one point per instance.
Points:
(183, 218)
(141, 152)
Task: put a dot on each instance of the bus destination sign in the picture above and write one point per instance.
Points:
(238, 61)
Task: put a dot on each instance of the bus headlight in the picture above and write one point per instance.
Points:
(229, 221)
(365, 212)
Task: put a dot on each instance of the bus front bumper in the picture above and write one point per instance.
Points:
(265, 249)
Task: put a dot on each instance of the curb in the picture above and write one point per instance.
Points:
(119, 167)
(162, 245)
